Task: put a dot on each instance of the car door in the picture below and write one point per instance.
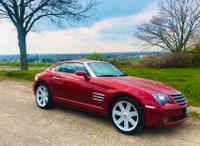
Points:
(56, 83)
(71, 88)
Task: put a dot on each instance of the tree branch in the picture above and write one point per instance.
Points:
(174, 26)
(9, 12)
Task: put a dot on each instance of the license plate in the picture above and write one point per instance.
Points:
(187, 110)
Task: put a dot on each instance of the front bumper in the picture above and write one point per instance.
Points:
(168, 115)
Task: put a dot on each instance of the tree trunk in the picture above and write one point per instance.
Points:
(23, 51)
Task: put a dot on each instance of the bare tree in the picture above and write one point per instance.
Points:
(25, 13)
(176, 23)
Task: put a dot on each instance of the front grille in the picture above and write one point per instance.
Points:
(180, 99)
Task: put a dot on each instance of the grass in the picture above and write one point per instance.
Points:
(23, 75)
(187, 80)
(30, 64)
(194, 114)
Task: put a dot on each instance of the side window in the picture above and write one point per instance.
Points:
(80, 66)
(68, 68)
(71, 68)
(60, 68)
(57, 68)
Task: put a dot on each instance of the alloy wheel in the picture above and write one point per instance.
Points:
(125, 116)
(42, 96)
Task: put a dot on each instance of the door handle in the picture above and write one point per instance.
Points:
(56, 78)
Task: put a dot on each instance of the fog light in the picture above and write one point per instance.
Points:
(165, 119)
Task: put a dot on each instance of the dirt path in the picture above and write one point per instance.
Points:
(23, 123)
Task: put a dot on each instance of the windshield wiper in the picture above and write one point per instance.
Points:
(123, 75)
(107, 76)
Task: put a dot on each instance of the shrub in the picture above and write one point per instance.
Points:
(176, 60)
(195, 55)
(151, 61)
(170, 60)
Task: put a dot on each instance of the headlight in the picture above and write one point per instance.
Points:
(162, 98)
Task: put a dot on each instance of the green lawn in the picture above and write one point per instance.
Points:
(30, 64)
(23, 75)
(186, 80)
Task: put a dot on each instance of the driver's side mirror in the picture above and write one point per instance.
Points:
(82, 73)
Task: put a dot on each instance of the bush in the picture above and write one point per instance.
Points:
(176, 60)
(170, 60)
(195, 56)
(151, 61)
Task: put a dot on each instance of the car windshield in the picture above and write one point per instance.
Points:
(103, 69)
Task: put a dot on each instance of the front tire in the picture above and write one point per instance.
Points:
(127, 115)
(43, 96)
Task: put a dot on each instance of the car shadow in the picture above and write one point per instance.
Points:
(162, 130)
(170, 130)
(83, 114)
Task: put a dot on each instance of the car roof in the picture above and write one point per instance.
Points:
(75, 61)
(79, 61)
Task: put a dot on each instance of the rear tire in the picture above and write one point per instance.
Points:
(43, 96)
(127, 115)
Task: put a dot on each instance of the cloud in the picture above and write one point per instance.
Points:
(8, 35)
(111, 35)
(116, 25)
(124, 21)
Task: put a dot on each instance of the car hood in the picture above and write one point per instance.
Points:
(143, 84)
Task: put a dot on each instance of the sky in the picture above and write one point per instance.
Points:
(111, 31)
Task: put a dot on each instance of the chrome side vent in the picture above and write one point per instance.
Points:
(99, 97)
(180, 99)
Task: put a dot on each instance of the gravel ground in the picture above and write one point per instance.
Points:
(22, 123)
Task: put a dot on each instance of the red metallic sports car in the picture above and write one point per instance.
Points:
(130, 102)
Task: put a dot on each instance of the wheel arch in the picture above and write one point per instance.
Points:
(40, 82)
(141, 115)
(49, 103)
(115, 97)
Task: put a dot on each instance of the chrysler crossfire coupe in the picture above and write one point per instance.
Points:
(130, 102)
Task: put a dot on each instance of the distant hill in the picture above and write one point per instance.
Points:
(59, 57)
